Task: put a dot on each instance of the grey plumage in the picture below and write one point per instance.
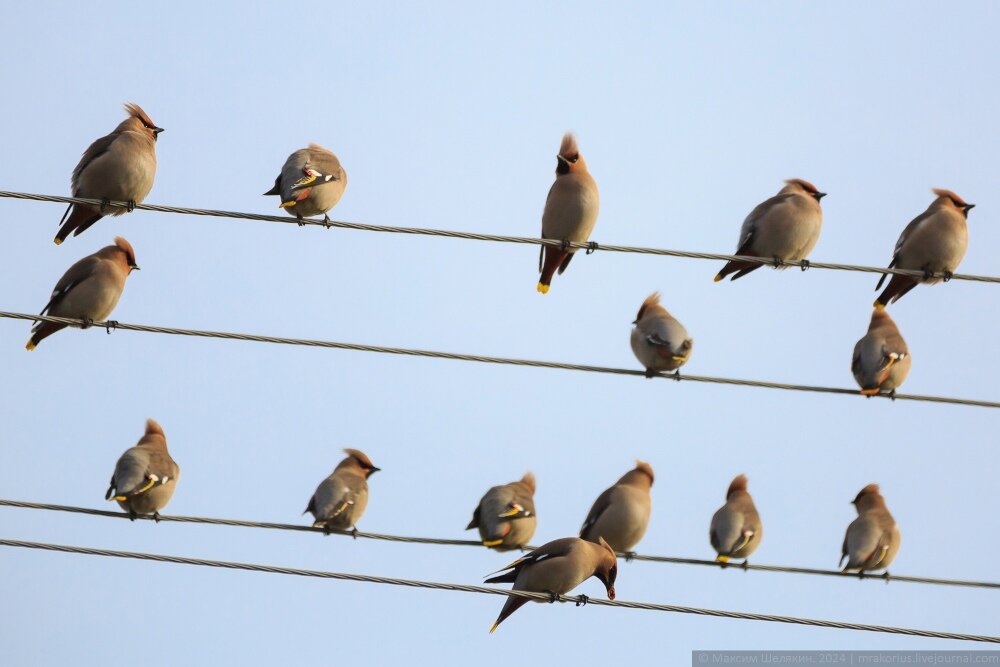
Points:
(881, 360)
(558, 567)
(311, 182)
(89, 290)
(872, 540)
(341, 498)
(935, 242)
(145, 476)
(785, 227)
(736, 529)
(659, 341)
(621, 513)
(505, 516)
(118, 167)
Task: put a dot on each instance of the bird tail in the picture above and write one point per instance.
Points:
(509, 607)
(737, 267)
(44, 330)
(505, 578)
(894, 291)
(75, 220)
(553, 259)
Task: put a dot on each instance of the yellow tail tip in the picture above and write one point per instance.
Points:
(57, 241)
(722, 559)
(717, 278)
(495, 626)
(878, 305)
(544, 289)
(30, 347)
(870, 392)
(287, 204)
(492, 543)
(120, 499)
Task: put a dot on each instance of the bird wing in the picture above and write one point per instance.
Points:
(79, 272)
(554, 549)
(601, 505)
(750, 224)
(94, 151)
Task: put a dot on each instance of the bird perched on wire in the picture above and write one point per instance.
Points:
(784, 228)
(505, 516)
(145, 476)
(934, 242)
(570, 211)
(556, 568)
(736, 529)
(89, 290)
(341, 498)
(311, 182)
(881, 359)
(659, 341)
(872, 540)
(620, 515)
(117, 167)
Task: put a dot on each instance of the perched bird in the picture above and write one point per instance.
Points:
(145, 476)
(785, 228)
(872, 540)
(881, 359)
(736, 529)
(934, 242)
(659, 341)
(89, 290)
(311, 182)
(341, 498)
(621, 514)
(505, 516)
(570, 211)
(118, 167)
(556, 568)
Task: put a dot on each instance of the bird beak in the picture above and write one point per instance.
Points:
(969, 207)
(372, 471)
(819, 195)
(562, 159)
(135, 267)
(157, 130)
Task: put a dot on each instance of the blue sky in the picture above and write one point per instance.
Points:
(447, 115)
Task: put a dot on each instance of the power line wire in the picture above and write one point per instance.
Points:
(543, 597)
(114, 324)
(591, 246)
(472, 543)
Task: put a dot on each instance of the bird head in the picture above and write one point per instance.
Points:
(569, 160)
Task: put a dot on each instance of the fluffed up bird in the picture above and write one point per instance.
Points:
(505, 516)
(341, 498)
(785, 228)
(556, 568)
(89, 290)
(621, 514)
(881, 359)
(659, 341)
(872, 540)
(118, 167)
(145, 476)
(736, 529)
(570, 211)
(934, 242)
(311, 182)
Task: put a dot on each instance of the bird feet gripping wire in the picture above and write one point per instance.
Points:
(354, 532)
(629, 556)
(156, 517)
(130, 205)
(105, 203)
(676, 376)
(553, 596)
(777, 262)
(299, 221)
(804, 264)
(110, 326)
(326, 221)
(745, 565)
(582, 600)
(948, 275)
(651, 373)
(87, 323)
(592, 247)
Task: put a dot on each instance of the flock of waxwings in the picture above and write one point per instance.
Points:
(120, 167)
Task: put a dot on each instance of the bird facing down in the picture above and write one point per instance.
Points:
(872, 540)
(934, 242)
(785, 228)
(505, 516)
(556, 568)
(145, 476)
(341, 498)
(736, 529)
(621, 514)
(570, 211)
(89, 290)
(659, 341)
(311, 182)
(881, 359)
(117, 167)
